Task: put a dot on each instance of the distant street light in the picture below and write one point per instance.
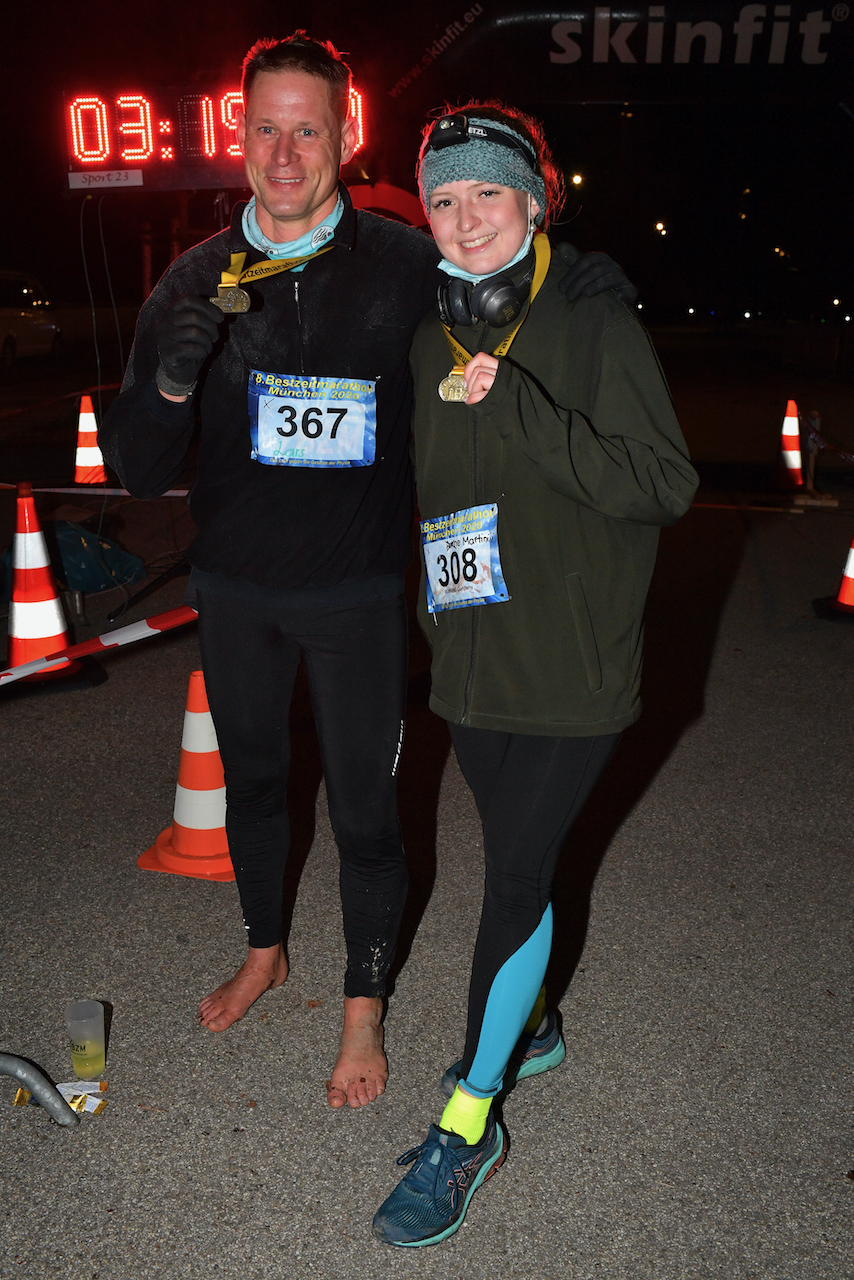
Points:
(577, 179)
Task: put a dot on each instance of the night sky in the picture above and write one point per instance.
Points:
(736, 161)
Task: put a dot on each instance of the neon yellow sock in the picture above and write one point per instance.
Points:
(466, 1116)
(537, 1013)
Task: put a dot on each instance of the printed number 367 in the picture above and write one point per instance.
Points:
(311, 423)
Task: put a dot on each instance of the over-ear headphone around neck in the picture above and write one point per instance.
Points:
(496, 300)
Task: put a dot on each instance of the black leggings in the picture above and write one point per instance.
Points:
(529, 790)
(356, 665)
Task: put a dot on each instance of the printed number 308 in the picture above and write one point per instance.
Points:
(469, 567)
(311, 422)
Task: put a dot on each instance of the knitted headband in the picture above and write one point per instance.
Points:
(478, 160)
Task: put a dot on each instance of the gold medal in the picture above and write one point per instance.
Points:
(231, 299)
(453, 389)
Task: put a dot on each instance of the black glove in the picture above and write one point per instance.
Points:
(185, 339)
(592, 273)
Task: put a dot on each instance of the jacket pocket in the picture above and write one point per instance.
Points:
(584, 631)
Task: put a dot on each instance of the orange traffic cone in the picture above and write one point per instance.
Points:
(196, 843)
(790, 447)
(89, 463)
(842, 608)
(36, 621)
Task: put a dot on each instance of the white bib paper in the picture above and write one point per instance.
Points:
(298, 420)
(462, 559)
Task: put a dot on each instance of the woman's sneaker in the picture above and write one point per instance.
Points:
(531, 1057)
(430, 1201)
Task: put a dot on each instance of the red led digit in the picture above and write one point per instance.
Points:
(196, 126)
(89, 125)
(228, 104)
(357, 115)
(208, 135)
(140, 126)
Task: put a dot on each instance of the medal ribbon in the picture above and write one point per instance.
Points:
(543, 254)
(234, 275)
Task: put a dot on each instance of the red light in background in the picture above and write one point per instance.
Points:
(194, 133)
(141, 126)
(209, 143)
(357, 114)
(228, 104)
(89, 155)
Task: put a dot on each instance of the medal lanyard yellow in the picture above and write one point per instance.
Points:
(543, 254)
(234, 275)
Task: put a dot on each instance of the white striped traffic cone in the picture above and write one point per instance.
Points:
(36, 621)
(845, 598)
(196, 843)
(89, 463)
(842, 608)
(790, 447)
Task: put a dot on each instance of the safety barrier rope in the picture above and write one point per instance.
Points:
(109, 640)
(85, 489)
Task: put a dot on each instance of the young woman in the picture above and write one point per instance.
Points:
(547, 456)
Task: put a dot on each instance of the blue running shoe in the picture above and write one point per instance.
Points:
(430, 1201)
(531, 1057)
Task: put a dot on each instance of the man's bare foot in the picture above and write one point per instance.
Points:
(263, 968)
(361, 1069)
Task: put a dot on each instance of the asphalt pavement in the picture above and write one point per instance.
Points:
(700, 1127)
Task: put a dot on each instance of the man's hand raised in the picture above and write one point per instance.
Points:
(185, 338)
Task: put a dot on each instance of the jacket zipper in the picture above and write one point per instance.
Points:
(476, 497)
(475, 610)
(299, 324)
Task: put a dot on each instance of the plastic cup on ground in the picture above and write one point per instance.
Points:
(85, 1023)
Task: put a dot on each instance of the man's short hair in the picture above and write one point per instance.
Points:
(300, 52)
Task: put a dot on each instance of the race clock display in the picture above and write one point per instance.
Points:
(162, 140)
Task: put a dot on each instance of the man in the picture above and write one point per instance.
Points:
(303, 505)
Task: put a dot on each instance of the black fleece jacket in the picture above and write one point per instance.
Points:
(350, 313)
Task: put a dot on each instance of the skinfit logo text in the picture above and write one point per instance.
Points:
(761, 33)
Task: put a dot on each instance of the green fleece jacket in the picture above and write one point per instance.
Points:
(578, 444)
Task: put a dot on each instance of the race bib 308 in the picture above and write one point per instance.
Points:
(462, 559)
(298, 420)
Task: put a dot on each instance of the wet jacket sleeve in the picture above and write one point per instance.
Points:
(144, 437)
(619, 449)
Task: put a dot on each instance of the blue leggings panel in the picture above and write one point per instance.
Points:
(529, 790)
(511, 998)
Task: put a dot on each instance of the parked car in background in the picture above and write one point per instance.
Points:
(26, 327)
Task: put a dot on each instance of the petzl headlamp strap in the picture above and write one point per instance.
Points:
(542, 256)
(454, 130)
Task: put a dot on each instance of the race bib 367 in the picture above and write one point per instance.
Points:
(299, 420)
